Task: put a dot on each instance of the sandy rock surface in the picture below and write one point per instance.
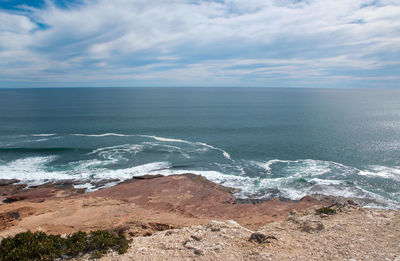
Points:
(352, 234)
(168, 218)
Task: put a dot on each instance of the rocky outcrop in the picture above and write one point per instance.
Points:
(352, 234)
(42, 192)
(140, 206)
(168, 218)
(193, 196)
(38, 195)
(261, 238)
(312, 226)
(5, 182)
(11, 189)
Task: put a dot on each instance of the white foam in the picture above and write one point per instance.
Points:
(102, 135)
(266, 165)
(382, 172)
(40, 140)
(164, 139)
(131, 148)
(34, 170)
(241, 170)
(320, 186)
(313, 167)
(224, 153)
(84, 165)
(157, 138)
(30, 169)
(170, 148)
(304, 167)
(87, 186)
(133, 171)
(44, 135)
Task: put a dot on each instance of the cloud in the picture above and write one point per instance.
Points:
(214, 43)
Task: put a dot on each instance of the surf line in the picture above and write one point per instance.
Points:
(162, 139)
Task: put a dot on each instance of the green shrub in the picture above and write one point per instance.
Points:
(39, 246)
(76, 243)
(325, 210)
(101, 240)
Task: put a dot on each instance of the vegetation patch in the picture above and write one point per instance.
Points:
(325, 210)
(40, 246)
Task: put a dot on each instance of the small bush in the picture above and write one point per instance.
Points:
(101, 240)
(39, 246)
(326, 210)
(76, 244)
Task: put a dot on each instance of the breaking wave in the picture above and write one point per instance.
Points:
(44, 135)
(162, 139)
(135, 155)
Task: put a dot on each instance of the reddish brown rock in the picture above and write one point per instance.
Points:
(8, 190)
(142, 206)
(41, 192)
(11, 189)
(194, 196)
(33, 194)
(5, 182)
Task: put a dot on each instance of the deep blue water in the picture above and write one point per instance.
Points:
(270, 142)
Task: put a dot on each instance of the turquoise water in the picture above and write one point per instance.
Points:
(269, 142)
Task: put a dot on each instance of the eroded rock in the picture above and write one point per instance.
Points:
(6, 182)
(312, 226)
(261, 238)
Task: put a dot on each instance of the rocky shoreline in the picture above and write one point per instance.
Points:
(141, 206)
(169, 218)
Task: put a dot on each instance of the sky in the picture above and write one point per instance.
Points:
(246, 43)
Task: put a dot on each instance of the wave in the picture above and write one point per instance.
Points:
(224, 153)
(131, 148)
(382, 172)
(59, 149)
(310, 167)
(169, 148)
(287, 179)
(162, 139)
(139, 170)
(31, 170)
(102, 135)
(251, 188)
(44, 135)
(165, 139)
(287, 185)
(304, 167)
(38, 170)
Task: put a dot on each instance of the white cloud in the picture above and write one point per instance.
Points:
(15, 23)
(276, 41)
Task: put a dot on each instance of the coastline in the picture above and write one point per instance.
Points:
(167, 201)
(146, 208)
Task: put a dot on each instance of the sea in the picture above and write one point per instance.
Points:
(281, 143)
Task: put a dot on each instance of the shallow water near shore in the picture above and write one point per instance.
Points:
(270, 143)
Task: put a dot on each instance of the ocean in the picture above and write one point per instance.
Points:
(268, 142)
